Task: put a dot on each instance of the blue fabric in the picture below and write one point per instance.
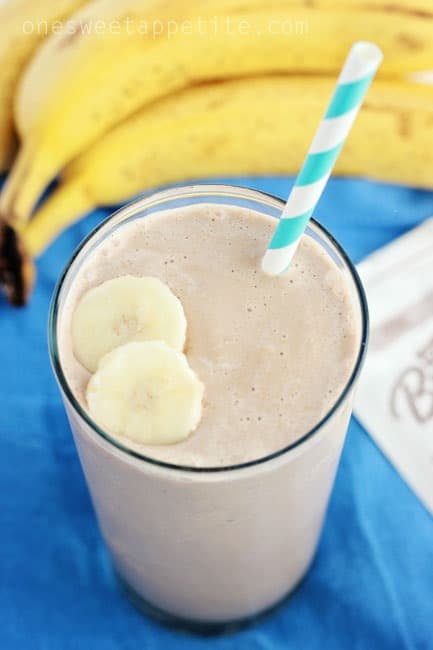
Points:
(371, 585)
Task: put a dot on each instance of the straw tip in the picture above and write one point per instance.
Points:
(267, 267)
(368, 52)
(277, 260)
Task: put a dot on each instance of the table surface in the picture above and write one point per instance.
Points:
(371, 585)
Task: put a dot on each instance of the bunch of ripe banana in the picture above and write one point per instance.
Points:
(118, 96)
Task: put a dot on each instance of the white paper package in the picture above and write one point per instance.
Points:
(395, 394)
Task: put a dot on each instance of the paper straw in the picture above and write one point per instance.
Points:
(355, 78)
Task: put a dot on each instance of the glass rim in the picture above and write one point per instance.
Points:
(228, 191)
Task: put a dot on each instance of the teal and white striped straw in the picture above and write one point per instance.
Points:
(355, 78)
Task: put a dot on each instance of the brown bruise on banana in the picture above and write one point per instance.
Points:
(394, 8)
(403, 117)
(409, 42)
(17, 271)
(386, 7)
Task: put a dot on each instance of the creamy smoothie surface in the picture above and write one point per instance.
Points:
(274, 354)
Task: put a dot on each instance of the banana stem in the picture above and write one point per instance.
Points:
(17, 271)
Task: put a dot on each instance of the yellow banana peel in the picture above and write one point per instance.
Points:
(249, 126)
(24, 24)
(80, 84)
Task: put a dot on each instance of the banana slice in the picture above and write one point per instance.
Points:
(122, 310)
(146, 392)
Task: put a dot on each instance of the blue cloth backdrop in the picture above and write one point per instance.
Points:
(371, 585)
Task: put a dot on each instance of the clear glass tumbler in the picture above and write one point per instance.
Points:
(213, 547)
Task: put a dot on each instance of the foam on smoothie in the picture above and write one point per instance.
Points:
(274, 353)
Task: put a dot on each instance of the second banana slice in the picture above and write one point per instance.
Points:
(147, 393)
